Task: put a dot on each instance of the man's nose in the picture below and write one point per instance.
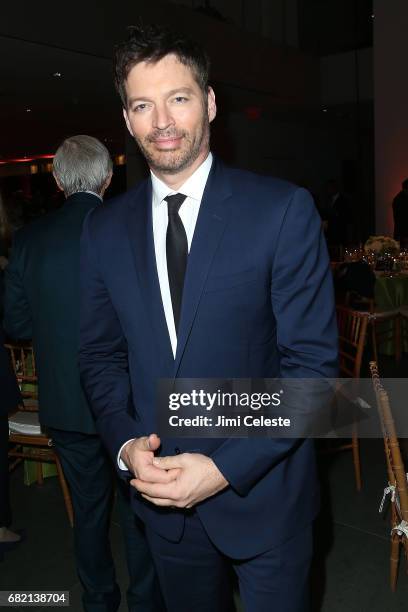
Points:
(162, 118)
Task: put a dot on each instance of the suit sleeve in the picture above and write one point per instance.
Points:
(17, 313)
(103, 357)
(303, 305)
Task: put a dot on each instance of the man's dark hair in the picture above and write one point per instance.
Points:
(150, 44)
(405, 184)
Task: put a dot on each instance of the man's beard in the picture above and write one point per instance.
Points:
(172, 161)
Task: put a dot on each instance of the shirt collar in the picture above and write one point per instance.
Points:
(93, 193)
(192, 188)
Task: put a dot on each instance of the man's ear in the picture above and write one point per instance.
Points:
(126, 118)
(211, 105)
(106, 184)
(57, 181)
(108, 181)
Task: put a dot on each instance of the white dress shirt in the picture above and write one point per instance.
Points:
(193, 188)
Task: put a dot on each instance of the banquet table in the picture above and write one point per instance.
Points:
(391, 292)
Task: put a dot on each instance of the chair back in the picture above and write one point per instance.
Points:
(352, 326)
(27, 440)
(359, 302)
(23, 361)
(395, 466)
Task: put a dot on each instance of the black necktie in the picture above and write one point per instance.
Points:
(176, 251)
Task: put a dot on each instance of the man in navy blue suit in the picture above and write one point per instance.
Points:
(203, 271)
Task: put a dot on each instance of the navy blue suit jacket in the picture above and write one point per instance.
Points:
(257, 302)
(42, 303)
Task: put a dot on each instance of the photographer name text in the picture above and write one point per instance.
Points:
(248, 420)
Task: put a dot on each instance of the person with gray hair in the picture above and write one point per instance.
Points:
(42, 304)
(82, 164)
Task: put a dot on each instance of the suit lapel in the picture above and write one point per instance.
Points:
(211, 223)
(140, 234)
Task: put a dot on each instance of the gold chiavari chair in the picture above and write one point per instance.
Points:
(352, 326)
(397, 477)
(27, 440)
(379, 322)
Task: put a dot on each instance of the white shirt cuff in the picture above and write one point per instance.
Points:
(122, 465)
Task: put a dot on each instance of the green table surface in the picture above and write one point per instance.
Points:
(391, 292)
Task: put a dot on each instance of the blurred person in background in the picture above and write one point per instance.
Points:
(10, 398)
(42, 303)
(10, 395)
(400, 212)
(17, 205)
(337, 216)
(6, 231)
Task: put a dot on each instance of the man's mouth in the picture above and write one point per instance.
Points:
(168, 142)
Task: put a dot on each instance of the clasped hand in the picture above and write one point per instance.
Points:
(181, 480)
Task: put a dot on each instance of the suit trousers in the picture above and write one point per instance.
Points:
(90, 479)
(5, 510)
(144, 593)
(195, 575)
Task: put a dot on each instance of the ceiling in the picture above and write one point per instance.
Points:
(81, 100)
(38, 110)
(37, 41)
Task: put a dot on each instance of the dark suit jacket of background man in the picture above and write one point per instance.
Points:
(44, 270)
(257, 302)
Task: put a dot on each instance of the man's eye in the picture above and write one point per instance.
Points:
(139, 107)
(180, 99)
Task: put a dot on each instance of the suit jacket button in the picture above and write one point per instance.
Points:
(177, 450)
